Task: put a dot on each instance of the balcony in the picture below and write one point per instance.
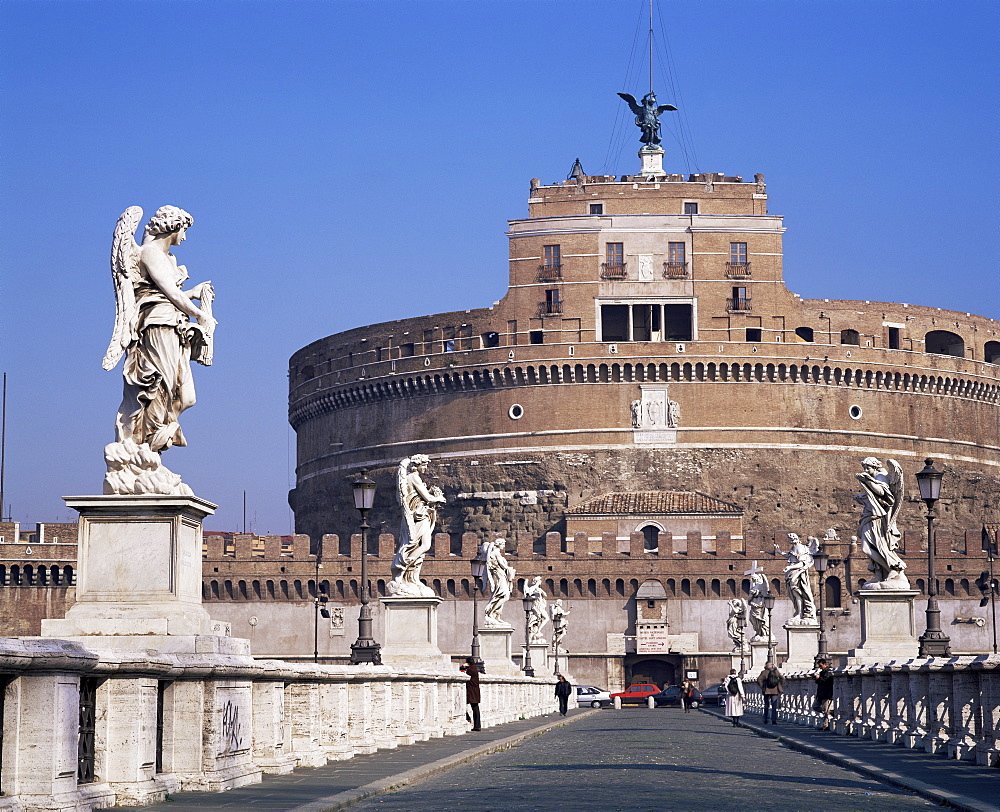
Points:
(738, 270)
(675, 270)
(738, 304)
(550, 273)
(550, 309)
(612, 270)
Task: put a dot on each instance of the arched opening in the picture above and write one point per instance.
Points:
(991, 352)
(650, 538)
(804, 334)
(852, 337)
(942, 342)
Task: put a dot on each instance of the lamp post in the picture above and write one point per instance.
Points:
(365, 649)
(478, 568)
(933, 642)
(821, 561)
(527, 603)
(769, 601)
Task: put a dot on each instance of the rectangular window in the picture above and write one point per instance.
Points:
(690, 208)
(677, 322)
(614, 322)
(893, 338)
(553, 256)
(597, 208)
(753, 334)
(448, 339)
(738, 253)
(491, 339)
(535, 337)
(552, 302)
(675, 253)
(615, 253)
(406, 350)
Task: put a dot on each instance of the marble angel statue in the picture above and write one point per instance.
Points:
(419, 505)
(154, 332)
(759, 589)
(798, 581)
(881, 497)
(539, 615)
(499, 581)
(559, 623)
(736, 624)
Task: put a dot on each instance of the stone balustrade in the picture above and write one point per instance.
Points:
(143, 724)
(946, 706)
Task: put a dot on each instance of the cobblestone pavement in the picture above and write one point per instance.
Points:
(637, 760)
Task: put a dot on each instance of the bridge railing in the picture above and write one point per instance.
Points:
(88, 729)
(946, 706)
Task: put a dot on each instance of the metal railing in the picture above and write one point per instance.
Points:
(738, 270)
(675, 270)
(738, 304)
(610, 270)
(550, 309)
(550, 273)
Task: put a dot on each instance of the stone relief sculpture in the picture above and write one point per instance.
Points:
(881, 497)
(647, 116)
(645, 262)
(538, 616)
(655, 410)
(736, 625)
(419, 505)
(759, 589)
(636, 409)
(559, 624)
(154, 332)
(499, 581)
(673, 414)
(800, 559)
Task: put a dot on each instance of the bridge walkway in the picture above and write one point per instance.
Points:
(634, 760)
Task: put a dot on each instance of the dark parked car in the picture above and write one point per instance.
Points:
(671, 697)
(636, 694)
(716, 695)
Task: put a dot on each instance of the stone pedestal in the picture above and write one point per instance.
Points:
(496, 650)
(139, 577)
(803, 644)
(540, 659)
(741, 663)
(888, 627)
(652, 161)
(411, 633)
(758, 656)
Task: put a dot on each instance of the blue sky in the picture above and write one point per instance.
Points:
(354, 162)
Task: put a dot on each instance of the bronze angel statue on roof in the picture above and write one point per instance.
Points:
(154, 332)
(647, 116)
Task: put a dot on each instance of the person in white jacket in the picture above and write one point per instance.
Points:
(735, 694)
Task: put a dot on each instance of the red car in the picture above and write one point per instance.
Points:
(637, 694)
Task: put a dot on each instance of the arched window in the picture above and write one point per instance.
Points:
(686, 587)
(832, 596)
(716, 588)
(620, 587)
(942, 342)
(592, 587)
(804, 334)
(651, 538)
(991, 352)
(852, 337)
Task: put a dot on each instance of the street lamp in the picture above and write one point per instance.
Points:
(365, 649)
(527, 603)
(821, 560)
(933, 642)
(478, 569)
(769, 601)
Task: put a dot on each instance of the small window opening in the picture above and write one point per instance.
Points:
(536, 337)
(893, 338)
(690, 208)
(753, 334)
(597, 208)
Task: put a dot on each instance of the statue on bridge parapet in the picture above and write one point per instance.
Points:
(499, 579)
(759, 589)
(419, 504)
(736, 625)
(881, 498)
(797, 579)
(539, 615)
(559, 624)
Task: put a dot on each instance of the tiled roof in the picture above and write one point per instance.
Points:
(653, 502)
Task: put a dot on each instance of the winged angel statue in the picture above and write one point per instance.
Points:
(154, 332)
(647, 116)
(881, 497)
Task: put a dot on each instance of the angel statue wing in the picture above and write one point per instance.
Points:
(663, 108)
(895, 482)
(124, 275)
(633, 105)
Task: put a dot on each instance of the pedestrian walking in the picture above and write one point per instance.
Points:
(772, 685)
(824, 693)
(735, 694)
(472, 695)
(563, 690)
(687, 695)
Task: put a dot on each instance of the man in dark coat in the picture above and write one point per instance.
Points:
(472, 695)
(824, 693)
(772, 684)
(563, 690)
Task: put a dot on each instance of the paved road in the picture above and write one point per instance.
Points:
(637, 760)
